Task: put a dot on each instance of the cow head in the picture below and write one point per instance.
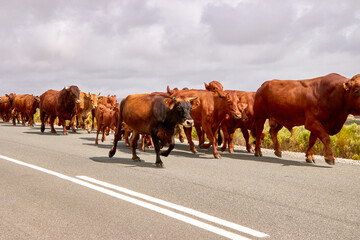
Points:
(352, 88)
(95, 99)
(232, 106)
(73, 92)
(215, 87)
(180, 108)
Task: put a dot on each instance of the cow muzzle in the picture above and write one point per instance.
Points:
(188, 123)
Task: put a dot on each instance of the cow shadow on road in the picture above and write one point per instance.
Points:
(243, 155)
(124, 161)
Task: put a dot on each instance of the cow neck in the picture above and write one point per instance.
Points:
(170, 120)
(221, 107)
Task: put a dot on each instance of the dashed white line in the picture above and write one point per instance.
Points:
(150, 206)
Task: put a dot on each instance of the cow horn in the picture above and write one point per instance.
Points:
(99, 94)
(67, 88)
(192, 99)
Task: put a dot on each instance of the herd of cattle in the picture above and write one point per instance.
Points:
(321, 104)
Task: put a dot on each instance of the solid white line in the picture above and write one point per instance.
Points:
(178, 207)
(166, 212)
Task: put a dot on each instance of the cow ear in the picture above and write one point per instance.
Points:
(169, 102)
(195, 102)
(347, 85)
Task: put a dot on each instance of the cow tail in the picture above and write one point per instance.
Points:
(119, 130)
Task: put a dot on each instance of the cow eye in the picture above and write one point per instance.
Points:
(356, 91)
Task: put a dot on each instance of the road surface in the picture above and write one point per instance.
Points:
(65, 187)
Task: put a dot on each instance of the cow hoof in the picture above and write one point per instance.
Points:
(330, 161)
(193, 150)
(111, 153)
(136, 159)
(217, 156)
(258, 154)
(310, 160)
(278, 154)
(159, 165)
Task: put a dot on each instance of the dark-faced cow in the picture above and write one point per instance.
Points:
(61, 104)
(26, 105)
(321, 104)
(154, 115)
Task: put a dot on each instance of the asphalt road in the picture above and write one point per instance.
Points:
(65, 187)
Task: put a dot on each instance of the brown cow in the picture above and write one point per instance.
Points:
(5, 106)
(83, 110)
(154, 115)
(108, 100)
(26, 105)
(321, 104)
(61, 104)
(211, 110)
(106, 118)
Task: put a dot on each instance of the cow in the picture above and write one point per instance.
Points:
(212, 109)
(321, 104)
(61, 104)
(5, 106)
(154, 115)
(83, 110)
(26, 105)
(106, 118)
(108, 100)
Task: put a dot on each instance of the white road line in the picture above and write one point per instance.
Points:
(155, 208)
(178, 207)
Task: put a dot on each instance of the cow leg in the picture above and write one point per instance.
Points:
(134, 140)
(309, 152)
(98, 127)
(275, 127)
(246, 135)
(155, 139)
(259, 123)
(171, 147)
(103, 134)
(51, 122)
(189, 138)
(126, 137)
(143, 138)
(63, 124)
(318, 129)
(212, 139)
(226, 137)
(117, 137)
(200, 134)
(43, 119)
(31, 119)
(230, 141)
(72, 124)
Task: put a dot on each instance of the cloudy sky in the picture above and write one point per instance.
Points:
(137, 46)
